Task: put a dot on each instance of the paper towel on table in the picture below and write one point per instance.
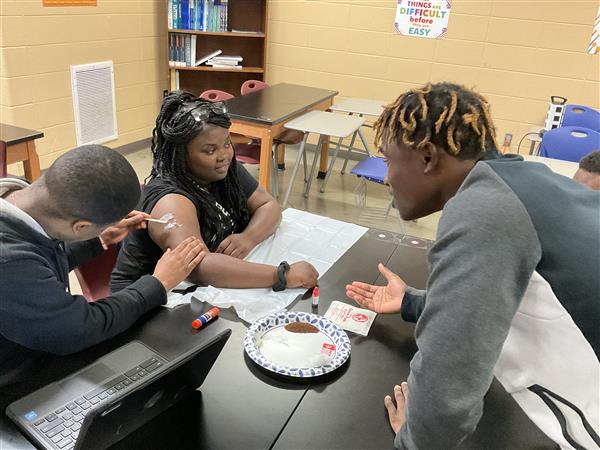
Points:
(302, 236)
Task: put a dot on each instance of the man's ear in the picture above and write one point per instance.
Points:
(81, 227)
(430, 156)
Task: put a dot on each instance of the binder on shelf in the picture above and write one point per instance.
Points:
(192, 15)
(208, 57)
(188, 50)
(185, 14)
(222, 63)
(225, 62)
(181, 50)
(235, 58)
(247, 32)
(193, 50)
(225, 66)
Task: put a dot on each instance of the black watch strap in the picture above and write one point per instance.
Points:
(281, 281)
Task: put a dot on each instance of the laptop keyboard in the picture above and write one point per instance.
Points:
(61, 427)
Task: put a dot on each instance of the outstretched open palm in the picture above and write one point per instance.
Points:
(381, 299)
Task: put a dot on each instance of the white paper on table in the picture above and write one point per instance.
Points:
(301, 236)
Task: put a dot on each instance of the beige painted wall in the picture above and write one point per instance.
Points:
(517, 53)
(38, 45)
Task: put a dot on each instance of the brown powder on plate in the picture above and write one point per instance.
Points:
(301, 327)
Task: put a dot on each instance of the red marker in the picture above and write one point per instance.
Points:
(205, 318)
(315, 297)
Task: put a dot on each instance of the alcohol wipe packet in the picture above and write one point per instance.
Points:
(348, 317)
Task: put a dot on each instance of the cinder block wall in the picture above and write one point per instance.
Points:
(517, 53)
(38, 44)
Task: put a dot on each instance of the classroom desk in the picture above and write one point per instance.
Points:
(263, 113)
(20, 143)
(242, 407)
(564, 168)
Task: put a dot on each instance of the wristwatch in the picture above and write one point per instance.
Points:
(281, 281)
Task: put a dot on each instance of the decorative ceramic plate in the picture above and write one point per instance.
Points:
(314, 347)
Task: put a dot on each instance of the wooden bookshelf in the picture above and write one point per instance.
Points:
(219, 33)
(221, 69)
(247, 15)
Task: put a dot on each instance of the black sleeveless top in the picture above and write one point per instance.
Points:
(139, 254)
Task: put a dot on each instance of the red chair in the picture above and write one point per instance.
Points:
(94, 275)
(2, 159)
(214, 95)
(252, 86)
(286, 137)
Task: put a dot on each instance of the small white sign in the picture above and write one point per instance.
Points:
(426, 19)
(350, 318)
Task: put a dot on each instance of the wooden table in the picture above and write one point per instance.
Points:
(20, 143)
(262, 115)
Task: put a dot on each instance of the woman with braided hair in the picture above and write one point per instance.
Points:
(196, 179)
(513, 285)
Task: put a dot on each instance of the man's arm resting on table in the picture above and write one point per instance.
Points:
(215, 269)
(39, 314)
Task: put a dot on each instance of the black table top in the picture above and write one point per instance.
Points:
(239, 406)
(276, 103)
(15, 135)
(348, 412)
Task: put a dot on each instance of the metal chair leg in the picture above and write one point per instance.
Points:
(348, 152)
(335, 153)
(314, 165)
(364, 143)
(389, 207)
(305, 168)
(301, 151)
(275, 177)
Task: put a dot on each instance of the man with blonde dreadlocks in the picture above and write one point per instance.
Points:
(513, 287)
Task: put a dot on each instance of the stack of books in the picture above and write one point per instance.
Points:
(198, 15)
(225, 62)
(182, 50)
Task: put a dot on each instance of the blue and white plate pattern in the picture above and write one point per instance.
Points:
(326, 326)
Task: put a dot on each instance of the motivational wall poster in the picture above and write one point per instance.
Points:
(426, 19)
(594, 47)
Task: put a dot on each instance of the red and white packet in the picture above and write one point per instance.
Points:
(348, 317)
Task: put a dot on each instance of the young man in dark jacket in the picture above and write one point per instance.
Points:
(50, 227)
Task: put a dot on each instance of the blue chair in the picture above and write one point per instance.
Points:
(569, 143)
(372, 169)
(581, 116)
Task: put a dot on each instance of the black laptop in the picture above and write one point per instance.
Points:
(107, 400)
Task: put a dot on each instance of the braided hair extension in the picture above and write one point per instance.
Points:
(175, 129)
(448, 115)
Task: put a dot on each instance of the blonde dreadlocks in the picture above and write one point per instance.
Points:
(445, 114)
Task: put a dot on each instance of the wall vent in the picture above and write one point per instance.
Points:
(93, 87)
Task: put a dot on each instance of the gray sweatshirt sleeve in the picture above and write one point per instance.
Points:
(480, 266)
(413, 304)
